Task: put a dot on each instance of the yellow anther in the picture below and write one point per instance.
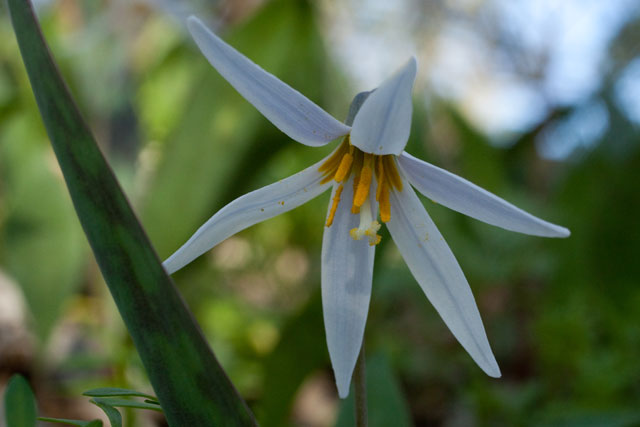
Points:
(392, 173)
(383, 200)
(348, 162)
(355, 209)
(344, 168)
(334, 205)
(332, 164)
(380, 177)
(362, 191)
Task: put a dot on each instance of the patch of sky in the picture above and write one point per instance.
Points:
(627, 91)
(561, 47)
(581, 130)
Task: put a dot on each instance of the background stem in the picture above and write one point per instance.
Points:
(360, 381)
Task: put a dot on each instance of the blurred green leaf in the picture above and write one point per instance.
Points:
(387, 406)
(587, 417)
(114, 391)
(221, 139)
(94, 423)
(19, 403)
(190, 384)
(51, 237)
(301, 350)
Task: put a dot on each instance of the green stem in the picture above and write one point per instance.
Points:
(360, 382)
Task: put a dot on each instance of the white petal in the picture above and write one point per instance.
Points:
(439, 275)
(285, 107)
(347, 272)
(383, 123)
(250, 209)
(465, 197)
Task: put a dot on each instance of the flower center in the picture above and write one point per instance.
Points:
(348, 160)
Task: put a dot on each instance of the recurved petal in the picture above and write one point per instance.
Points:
(465, 197)
(285, 107)
(439, 275)
(252, 208)
(383, 123)
(347, 272)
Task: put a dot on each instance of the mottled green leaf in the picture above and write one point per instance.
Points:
(190, 384)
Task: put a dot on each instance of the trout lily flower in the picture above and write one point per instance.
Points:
(371, 177)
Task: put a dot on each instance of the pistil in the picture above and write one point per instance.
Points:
(368, 226)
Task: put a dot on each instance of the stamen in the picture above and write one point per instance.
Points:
(392, 173)
(380, 177)
(362, 192)
(344, 168)
(355, 209)
(332, 164)
(347, 161)
(334, 205)
(385, 204)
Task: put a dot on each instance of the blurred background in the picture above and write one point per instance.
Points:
(537, 101)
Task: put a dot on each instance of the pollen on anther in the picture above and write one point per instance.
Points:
(391, 172)
(344, 168)
(362, 192)
(383, 200)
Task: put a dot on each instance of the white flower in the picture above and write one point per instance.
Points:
(369, 173)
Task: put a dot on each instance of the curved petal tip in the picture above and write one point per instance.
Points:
(383, 123)
(289, 110)
(563, 232)
(412, 62)
(343, 387)
(493, 370)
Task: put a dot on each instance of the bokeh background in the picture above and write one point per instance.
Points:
(537, 101)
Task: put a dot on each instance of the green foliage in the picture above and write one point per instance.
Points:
(109, 399)
(52, 235)
(215, 120)
(561, 315)
(114, 391)
(19, 403)
(298, 354)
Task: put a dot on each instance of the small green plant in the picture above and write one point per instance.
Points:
(21, 407)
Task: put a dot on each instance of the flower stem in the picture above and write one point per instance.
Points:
(360, 381)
